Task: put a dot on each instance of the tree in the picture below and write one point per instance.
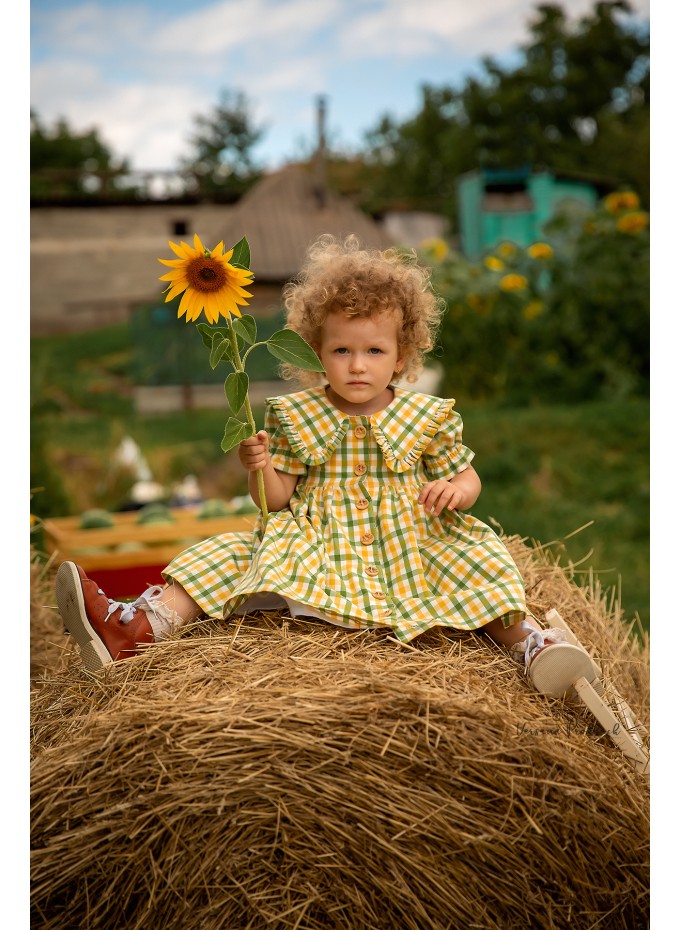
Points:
(222, 142)
(578, 101)
(574, 81)
(65, 163)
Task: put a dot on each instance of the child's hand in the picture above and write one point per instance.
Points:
(254, 452)
(436, 495)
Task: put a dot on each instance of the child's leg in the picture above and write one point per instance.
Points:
(509, 635)
(106, 629)
(552, 663)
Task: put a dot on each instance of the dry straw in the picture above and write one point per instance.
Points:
(278, 774)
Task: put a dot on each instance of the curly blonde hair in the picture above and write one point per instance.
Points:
(342, 277)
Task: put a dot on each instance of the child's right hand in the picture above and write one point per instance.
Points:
(254, 452)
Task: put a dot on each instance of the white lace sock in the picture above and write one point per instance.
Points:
(162, 619)
(524, 651)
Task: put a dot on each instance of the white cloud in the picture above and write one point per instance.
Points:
(141, 72)
(488, 27)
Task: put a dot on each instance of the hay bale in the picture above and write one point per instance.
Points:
(288, 774)
(49, 647)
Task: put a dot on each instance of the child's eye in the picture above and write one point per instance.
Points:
(340, 351)
(375, 351)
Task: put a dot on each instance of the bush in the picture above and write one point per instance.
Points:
(566, 319)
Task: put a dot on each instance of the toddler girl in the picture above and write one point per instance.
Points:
(367, 485)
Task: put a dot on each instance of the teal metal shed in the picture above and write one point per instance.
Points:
(496, 205)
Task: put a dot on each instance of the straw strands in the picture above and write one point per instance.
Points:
(271, 773)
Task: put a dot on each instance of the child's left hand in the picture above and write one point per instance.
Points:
(436, 495)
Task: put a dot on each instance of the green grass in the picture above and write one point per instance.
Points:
(546, 470)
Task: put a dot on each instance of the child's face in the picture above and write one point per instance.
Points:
(360, 356)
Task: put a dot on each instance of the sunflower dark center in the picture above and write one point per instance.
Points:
(206, 275)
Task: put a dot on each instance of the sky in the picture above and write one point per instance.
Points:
(140, 72)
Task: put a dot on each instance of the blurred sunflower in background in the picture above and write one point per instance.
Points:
(208, 280)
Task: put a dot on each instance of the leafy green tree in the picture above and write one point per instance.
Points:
(577, 101)
(573, 81)
(414, 165)
(65, 163)
(221, 162)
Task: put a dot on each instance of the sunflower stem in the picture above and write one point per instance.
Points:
(238, 365)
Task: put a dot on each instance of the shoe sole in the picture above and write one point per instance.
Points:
(94, 654)
(558, 667)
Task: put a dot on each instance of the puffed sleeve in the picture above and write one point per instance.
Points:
(446, 455)
(282, 455)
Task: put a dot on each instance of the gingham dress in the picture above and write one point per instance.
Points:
(355, 547)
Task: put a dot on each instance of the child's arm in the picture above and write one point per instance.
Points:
(278, 486)
(458, 493)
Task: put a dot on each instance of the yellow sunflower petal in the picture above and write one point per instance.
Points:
(174, 291)
(195, 305)
(217, 251)
(198, 245)
(186, 304)
(183, 250)
(173, 262)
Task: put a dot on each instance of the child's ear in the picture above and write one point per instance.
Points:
(399, 364)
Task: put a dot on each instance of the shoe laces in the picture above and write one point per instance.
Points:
(129, 609)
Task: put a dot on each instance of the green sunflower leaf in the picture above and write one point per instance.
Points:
(291, 347)
(235, 431)
(241, 256)
(246, 327)
(207, 333)
(221, 348)
(236, 389)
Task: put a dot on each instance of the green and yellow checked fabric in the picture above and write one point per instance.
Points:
(355, 546)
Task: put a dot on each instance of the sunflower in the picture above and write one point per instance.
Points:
(209, 282)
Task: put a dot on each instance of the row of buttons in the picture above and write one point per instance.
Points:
(367, 538)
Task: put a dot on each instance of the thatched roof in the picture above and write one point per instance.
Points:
(289, 774)
(285, 212)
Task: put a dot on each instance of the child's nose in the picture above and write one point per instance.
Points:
(357, 363)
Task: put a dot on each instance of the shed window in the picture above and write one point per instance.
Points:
(179, 228)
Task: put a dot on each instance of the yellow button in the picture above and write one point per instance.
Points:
(362, 503)
(360, 431)
(379, 595)
(372, 571)
(360, 468)
(367, 538)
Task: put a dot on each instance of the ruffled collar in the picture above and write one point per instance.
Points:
(315, 428)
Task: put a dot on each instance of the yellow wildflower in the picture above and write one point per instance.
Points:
(540, 250)
(209, 282)
(621, 200)
(533, 309)
(437, 248)
(513, 282)
(507, 249)
(493, 263)
(632, 223)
